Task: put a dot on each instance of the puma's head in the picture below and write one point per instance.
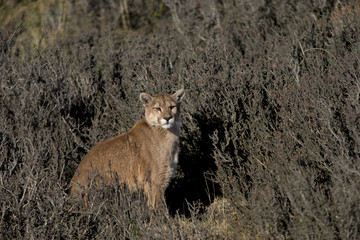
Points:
(162, 110)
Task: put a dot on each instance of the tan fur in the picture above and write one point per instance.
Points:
(145, 157)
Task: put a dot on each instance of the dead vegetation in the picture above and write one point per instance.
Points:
(270, 144)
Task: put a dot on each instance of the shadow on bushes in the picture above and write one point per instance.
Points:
(195, 180)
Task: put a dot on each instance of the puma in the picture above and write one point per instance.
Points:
(143, 158)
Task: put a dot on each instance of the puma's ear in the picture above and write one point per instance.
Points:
(145, 98)
(178, 95)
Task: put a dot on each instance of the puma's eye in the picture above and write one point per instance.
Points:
(157, 109)
(172, 107)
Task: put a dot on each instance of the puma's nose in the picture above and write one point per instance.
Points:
(167, 119)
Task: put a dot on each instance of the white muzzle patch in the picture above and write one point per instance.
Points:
(167, 124)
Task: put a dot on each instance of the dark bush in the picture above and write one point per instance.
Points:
(270, 144)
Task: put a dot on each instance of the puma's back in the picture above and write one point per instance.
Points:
(145, 157)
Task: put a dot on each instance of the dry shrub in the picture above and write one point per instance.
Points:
(270, 135)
